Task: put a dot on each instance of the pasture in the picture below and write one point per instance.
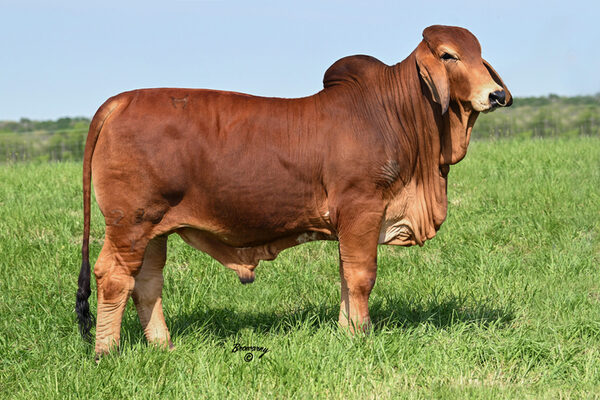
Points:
(504, 302)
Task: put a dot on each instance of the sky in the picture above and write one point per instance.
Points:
(65, 58)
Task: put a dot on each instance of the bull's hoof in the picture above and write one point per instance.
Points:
(354, 327)
(98, 357)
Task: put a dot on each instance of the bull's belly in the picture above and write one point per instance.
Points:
(238, 226)
(242, 234)
(243, 260)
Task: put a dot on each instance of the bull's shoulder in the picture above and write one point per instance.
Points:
(357, 68)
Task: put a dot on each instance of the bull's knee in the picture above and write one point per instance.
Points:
(361, 284)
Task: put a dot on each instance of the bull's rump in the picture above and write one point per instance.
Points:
(241, 166)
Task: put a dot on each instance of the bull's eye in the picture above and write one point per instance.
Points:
(448, 57)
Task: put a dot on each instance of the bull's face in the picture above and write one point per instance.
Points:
(450, 63)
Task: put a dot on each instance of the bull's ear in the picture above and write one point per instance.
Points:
(499, 81)
(434, 74)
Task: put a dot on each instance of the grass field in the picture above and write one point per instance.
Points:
(504, 302)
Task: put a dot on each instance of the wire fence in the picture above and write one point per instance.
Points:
(42, 146)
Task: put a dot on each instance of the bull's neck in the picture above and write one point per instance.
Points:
(418, 118)
(418, 126)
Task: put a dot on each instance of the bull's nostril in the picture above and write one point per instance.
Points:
(498, 98)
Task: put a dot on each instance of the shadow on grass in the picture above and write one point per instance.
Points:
(386, 313)
(398, 313)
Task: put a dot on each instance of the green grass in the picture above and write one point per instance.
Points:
(504, 302)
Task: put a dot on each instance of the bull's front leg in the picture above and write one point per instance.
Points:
(358, 237)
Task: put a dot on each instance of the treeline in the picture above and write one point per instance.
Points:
(27, 140)
(529, 117)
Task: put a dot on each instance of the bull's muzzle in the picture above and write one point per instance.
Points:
(498, 99)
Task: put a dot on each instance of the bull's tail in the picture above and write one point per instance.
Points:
(82, 306)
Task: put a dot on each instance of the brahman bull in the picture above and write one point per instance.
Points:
(241, 177)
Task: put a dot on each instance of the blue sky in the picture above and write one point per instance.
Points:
(64, 58)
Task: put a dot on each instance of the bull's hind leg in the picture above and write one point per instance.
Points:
(147, 293)
(118, 263)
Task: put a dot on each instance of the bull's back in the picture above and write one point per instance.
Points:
(247, 165)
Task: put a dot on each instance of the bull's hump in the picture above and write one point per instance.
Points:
(350, 69)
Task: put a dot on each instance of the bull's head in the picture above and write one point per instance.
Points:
(450, 63)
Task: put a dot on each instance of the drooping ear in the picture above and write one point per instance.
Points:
(499, 81)
(434, 75)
